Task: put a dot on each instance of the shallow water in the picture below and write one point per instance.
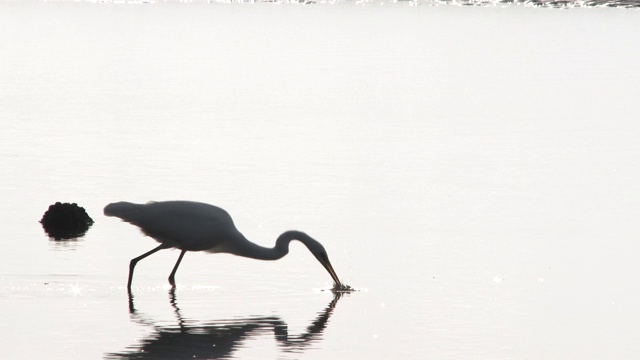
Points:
(473, 171)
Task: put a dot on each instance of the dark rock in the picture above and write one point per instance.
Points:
(66, 221)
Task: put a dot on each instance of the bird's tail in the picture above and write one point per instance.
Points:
(123, 210)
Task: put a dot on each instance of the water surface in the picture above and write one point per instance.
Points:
(472, 169)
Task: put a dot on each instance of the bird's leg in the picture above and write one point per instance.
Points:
(134, 261)
(172, 280)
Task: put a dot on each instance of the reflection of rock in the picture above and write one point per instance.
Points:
(66, 221)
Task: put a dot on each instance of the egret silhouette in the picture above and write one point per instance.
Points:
(195, 226)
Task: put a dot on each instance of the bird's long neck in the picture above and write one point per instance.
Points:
(249, 249)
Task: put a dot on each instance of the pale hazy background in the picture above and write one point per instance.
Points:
(474, 170)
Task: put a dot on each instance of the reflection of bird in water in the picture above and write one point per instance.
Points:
(193, 226)
(217, 339)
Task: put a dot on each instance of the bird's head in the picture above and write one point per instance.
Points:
(324, 260)
(316, 249)
(321, 255)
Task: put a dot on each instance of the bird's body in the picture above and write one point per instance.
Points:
(195, 226)
(184, 225)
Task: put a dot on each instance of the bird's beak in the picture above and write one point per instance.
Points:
(327, 265)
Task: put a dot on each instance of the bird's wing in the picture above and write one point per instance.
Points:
(182, 224)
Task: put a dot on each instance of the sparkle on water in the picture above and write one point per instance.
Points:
(75, 290)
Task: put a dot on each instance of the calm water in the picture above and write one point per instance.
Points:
(473, 170)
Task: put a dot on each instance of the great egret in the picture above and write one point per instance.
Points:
(195, 226)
